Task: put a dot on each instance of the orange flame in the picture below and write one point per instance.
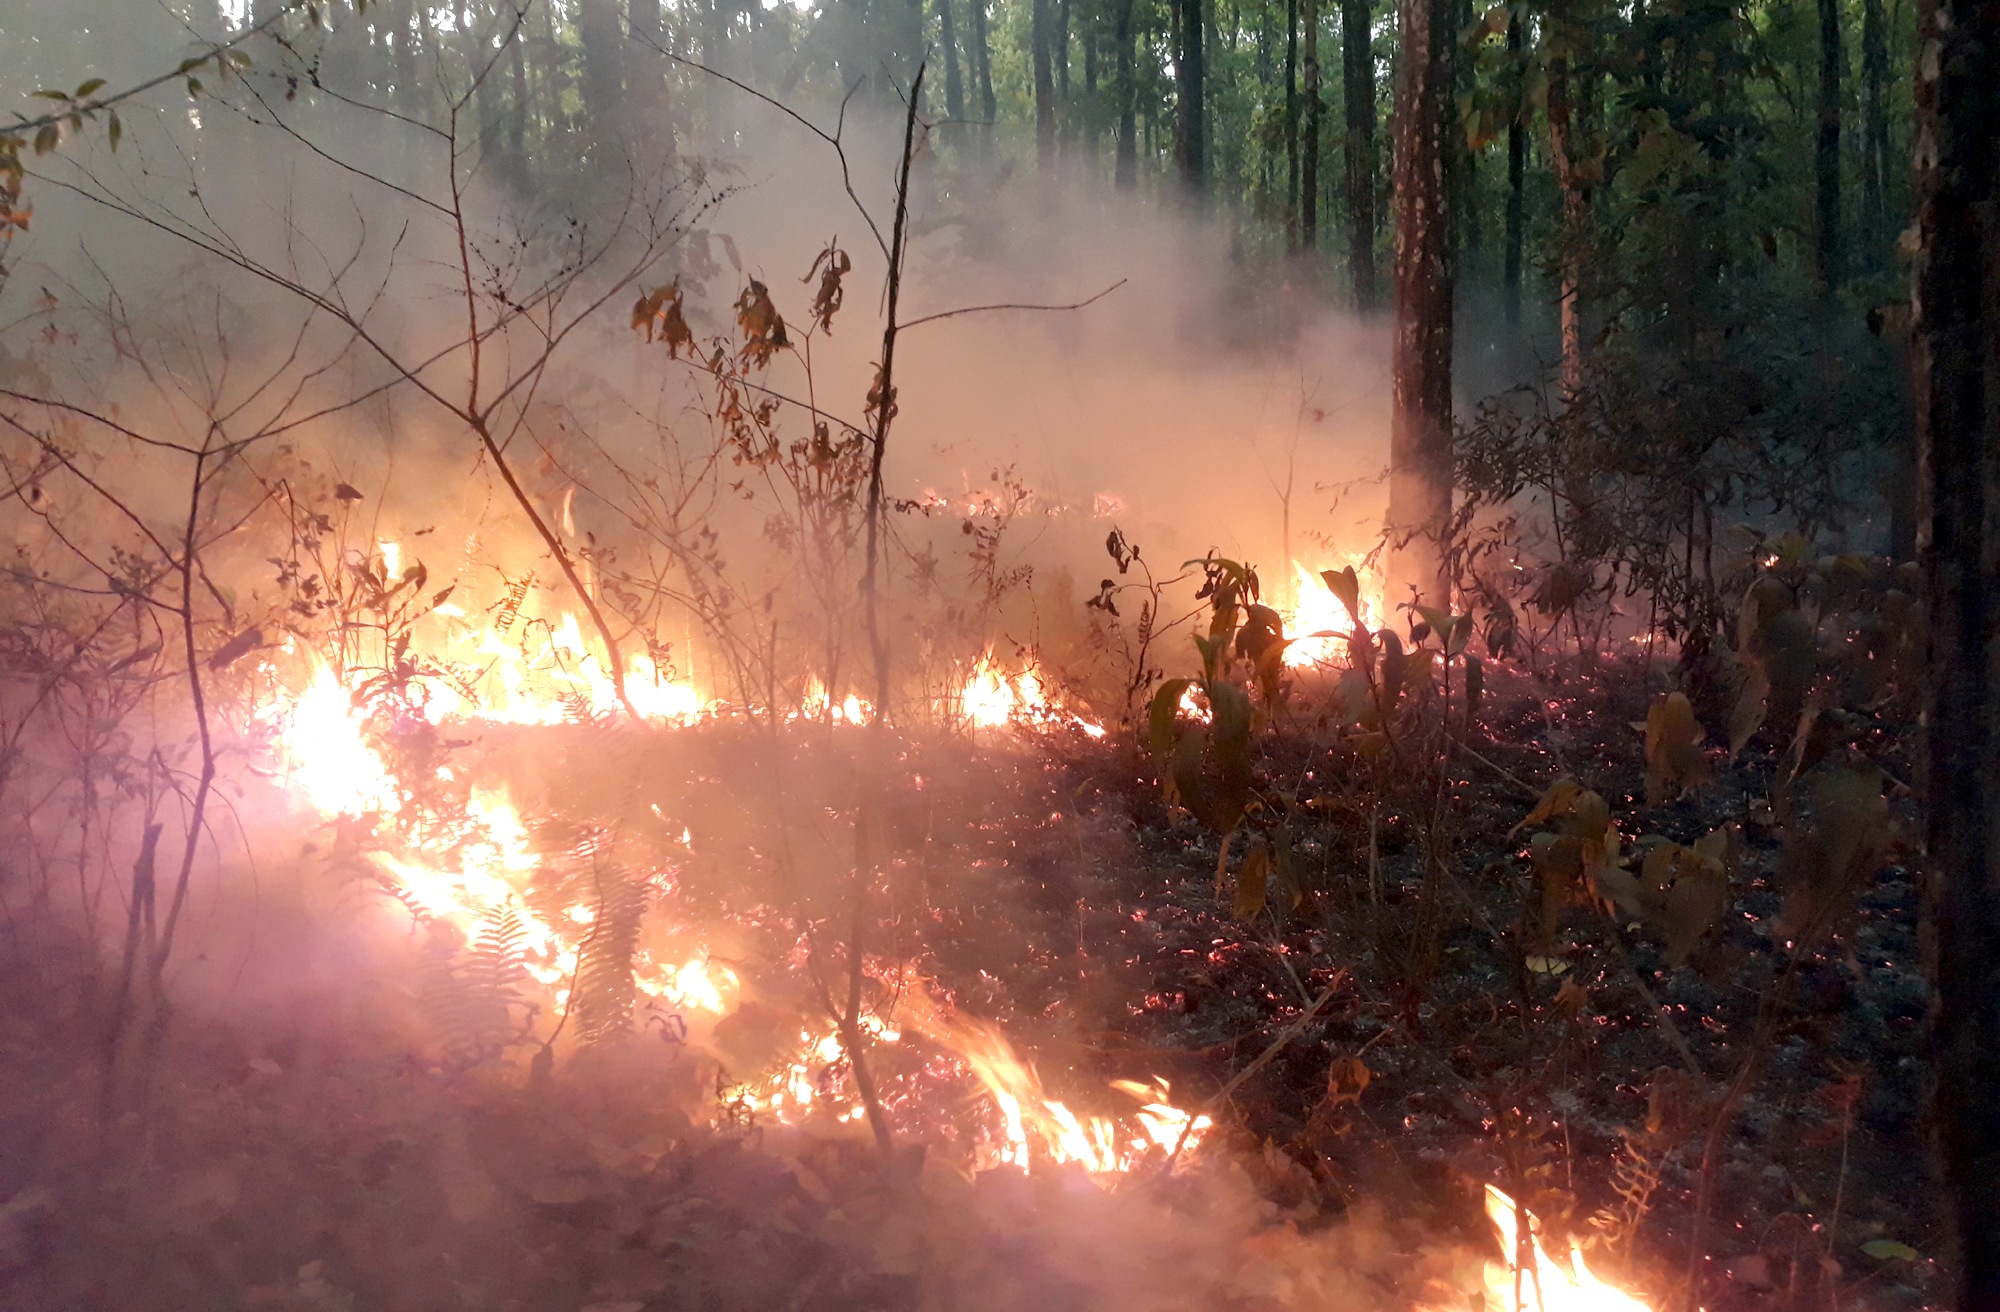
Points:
(1315, 609)
(1544, 1284)
(1033, 1125)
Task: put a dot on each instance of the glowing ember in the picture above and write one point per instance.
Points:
(1546, 1285)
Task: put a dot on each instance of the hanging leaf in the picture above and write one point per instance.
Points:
(1673, 747)
(1253, 880)
(1346, 587)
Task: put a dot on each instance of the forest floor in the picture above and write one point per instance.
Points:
(305, 1153)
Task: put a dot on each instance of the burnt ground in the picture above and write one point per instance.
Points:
(314, 1146)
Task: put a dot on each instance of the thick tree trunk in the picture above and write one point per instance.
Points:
(1575, 218)
(1358, 78)
(650, 110)
(1309, 148)
(603, 68)
(1955, 350)
(1826, 158)
(1042, 40)
(1125, 171)
(1420, 417)
(1517, 179)
(1874, 132)
(954, 88)
(1191, 143)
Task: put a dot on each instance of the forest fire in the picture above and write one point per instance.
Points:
(480, 867)
(1317, 621)
(1541, 1282)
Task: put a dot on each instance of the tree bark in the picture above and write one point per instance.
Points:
(1125, 171)
(603, 68)
(1309, 148)
(1042, 40)
(650, 110)
(1955, 349)
(1358, 78)
(1826, 157)
(1192, 119)
(1420, 419)
(1292, 121)
(982, 58)
(1575, 216)
(954, 88)
(1517, 178)
(1874, 132)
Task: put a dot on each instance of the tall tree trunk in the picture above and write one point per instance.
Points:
(982, 58)
(603, 70)
(1292, 121)
(1955, 348)
(1575, 216)
(1309, 149)
(954, 89)
(1874, 132)
(518, 110)
(1420, 417)
(1827, 155)
(1125, 171)
(650, 110)
(1191, 144)
(1517, 178)
(1042, 40)
(1358, 76)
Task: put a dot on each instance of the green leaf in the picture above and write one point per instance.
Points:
(1161, 715)
(194, 87)
(51, 95)
(86, 88)
(48, 139)
(1890, 1250)
(116, 130)
(1346, 587)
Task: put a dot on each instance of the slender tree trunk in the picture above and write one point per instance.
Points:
(1874, 132)
(1059, 55)
(1420, 418)
(982, 57)
(1955, 348)
(1192, 121)
(1309, 150)
(1125, 171)
(518, 111)
(1042, 42)
(1827, 155)
(1517, 178)
(954, 89)
(1292, 122)
(1358, 75)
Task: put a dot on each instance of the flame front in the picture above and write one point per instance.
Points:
(1544, 1284)
(1316, 610)
(1033, 1125)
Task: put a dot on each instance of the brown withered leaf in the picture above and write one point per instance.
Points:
(763, 327)
(830, 267)
(1673, 748)
(1557, 801)
(1347, 1079)
(1253, 880)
